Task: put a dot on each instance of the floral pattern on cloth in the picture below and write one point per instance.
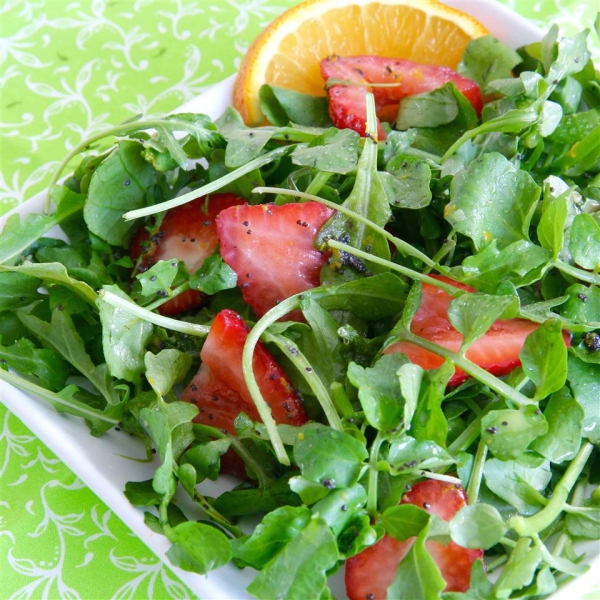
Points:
(68, 69)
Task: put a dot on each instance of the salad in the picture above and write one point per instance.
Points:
(415, 328)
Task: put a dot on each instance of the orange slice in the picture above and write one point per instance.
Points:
(288, 52)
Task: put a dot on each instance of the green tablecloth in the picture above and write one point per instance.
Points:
(69, 69)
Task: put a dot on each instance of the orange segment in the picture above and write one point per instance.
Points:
(288, 52)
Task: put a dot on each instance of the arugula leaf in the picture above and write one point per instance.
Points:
(121, 183)
(584, 241)
(584, 379)
(282, 106)
(18, 290)
(335, 151)
(165, 369)
(124, 339)
(214, 275)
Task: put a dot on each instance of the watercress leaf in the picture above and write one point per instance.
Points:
(141, 493)
(198, 547)
(584, 241)
(379, 390)
(18, 235)
(550, 117)
(124, 338)
(165, 369)
(513, 482)
(54, 274)
(271, 535)
(371, 298)
(582, 304)
(214, 275)
(333, 458)
(585, 523)
(407, 454)
(429, 421)
(544, 358)
(159, 277)
(335, 151)
(47, 366)
(410, 377)
(205, 458)
(551, 227)
(186, 475)
(487, 58)
(473, 314)
(282, 106)
(477, 526)
(519, 570)
(309, 491)
(584, 379)
(404, 521)
(251, 500)
(492, 199)
(299, 570)
(340, 507)
(508, 433)
(407, 183)
(565, 417)
(417, 577)
(120, 184)
(571, 58)
(520, 263)
(243, 143)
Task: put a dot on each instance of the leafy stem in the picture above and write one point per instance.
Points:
(576, 272)
(477, 472)
(211, 187)
(373, 458)
(495, 384)
(147, 315)
(527, 526)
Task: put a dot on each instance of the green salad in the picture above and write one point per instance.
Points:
(399, 339)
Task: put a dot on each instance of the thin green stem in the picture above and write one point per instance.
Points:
(579, 274)
(373, 474)
(527, 526)
(477, 472)
(216, 516)
(293, 353)
(211, 187)
(264, 410)
(341, 400)
(473, 429)
(145, 314)
(495, 384)
(74, 409)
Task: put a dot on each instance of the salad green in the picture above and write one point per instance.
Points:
(508, 204)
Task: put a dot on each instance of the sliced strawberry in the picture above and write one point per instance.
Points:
(347, 103)
(497, 351)
(187, 233)
(370, 573)
(219, 389)
(271, 248)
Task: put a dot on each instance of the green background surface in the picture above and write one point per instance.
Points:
(68, 70)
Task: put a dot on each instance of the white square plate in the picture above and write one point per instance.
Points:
(69, 438)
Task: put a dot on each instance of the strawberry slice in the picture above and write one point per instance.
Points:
(219, 389)
(347, 103)
(370, 573)
(497, 351)
(271, 248)
(187, 233)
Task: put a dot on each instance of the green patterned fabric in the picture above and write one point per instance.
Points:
(67, 70)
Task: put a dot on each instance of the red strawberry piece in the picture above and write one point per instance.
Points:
(219, 389)
(347, 103)
(370, 573)
(271, 248)
(187, 233)
(497, 351)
